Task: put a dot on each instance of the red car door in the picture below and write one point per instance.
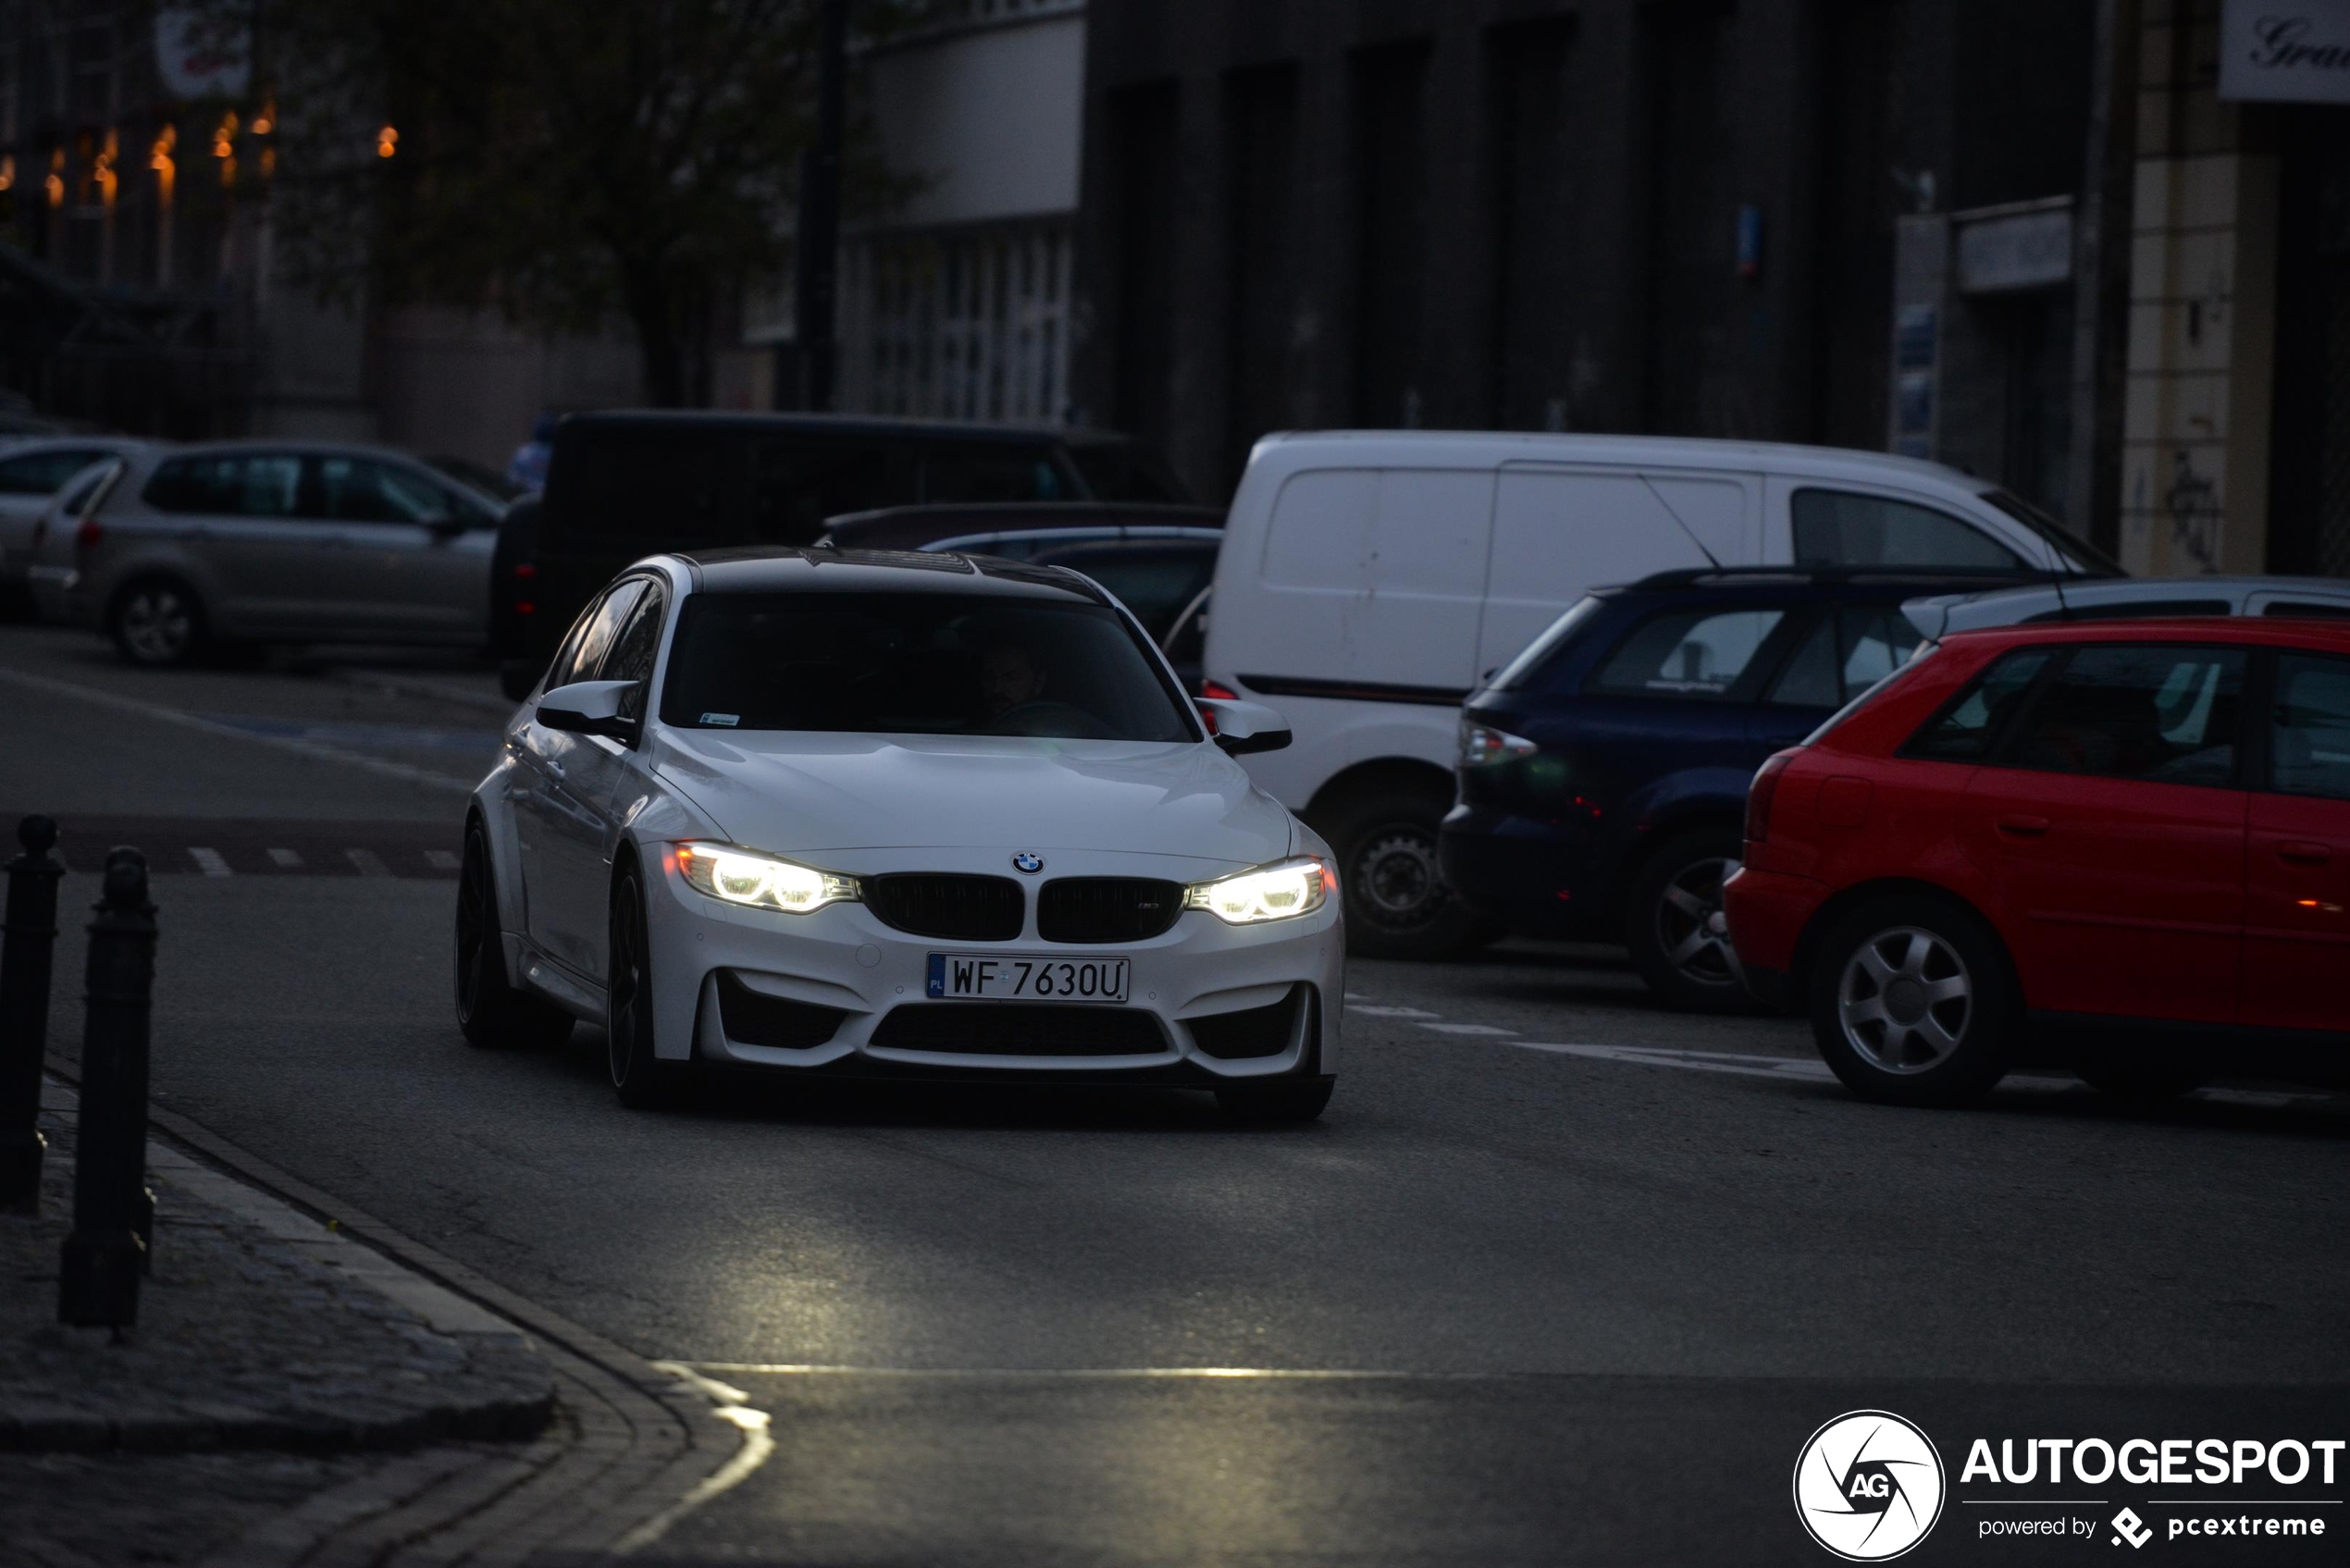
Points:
(2112, 827)
(2296, 950)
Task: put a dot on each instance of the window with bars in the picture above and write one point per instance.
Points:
(970, 324)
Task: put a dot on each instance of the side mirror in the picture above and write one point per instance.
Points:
(1243, 727)
(587, 708)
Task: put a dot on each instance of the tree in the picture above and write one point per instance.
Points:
(560, 162)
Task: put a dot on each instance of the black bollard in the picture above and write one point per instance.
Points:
(26, 938)
(98, 1286)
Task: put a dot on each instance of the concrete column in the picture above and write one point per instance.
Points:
(2194, 455)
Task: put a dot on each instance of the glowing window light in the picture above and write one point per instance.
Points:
(387, 141)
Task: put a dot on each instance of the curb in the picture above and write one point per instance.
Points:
(633, 1445)
(34, 1427)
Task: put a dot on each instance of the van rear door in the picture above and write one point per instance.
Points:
(1374, 578)
(1560, 532)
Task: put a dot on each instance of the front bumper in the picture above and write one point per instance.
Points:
(709, 956)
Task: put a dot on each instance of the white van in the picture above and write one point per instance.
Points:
(1370, 578)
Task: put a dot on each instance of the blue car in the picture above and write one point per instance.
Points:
(1603, 772)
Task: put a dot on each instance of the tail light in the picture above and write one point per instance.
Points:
(1760, 793)
(1219, 690)
(88, 534)
(1482, 745)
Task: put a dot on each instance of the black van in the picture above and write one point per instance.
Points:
(626, 485)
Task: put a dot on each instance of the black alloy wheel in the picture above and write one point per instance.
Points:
(1672, 924)
(639, 1075)
(156, 622)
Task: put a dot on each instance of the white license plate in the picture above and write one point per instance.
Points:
(999, 977)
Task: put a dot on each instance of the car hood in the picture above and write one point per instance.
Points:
(797, 792)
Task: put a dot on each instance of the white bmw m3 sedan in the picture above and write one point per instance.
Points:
(868, 814)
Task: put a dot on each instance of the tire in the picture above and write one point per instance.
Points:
(1283, 1102)
(1966, 1004)
(639, 1076)
(490, 1010)
(1397, 905)
(1670, 920)
(157, 623)
(2146, 1080)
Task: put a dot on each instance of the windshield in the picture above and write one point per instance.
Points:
(2077, 552)
(916, 663)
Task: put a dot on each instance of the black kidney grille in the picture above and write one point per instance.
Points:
(961, 908)
(1020, 1029)
(1106, 908)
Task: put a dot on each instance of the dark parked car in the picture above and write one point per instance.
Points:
(625, 484)
(514, 598)
(1157, 560)
(1603, 772)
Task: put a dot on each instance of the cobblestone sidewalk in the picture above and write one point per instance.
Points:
(272, 1360)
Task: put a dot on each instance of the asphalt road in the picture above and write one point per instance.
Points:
(1560, 1277)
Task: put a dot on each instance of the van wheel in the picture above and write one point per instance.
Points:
(1397, 905)
(1671, 926)
(156, 622)
(1913, 1002)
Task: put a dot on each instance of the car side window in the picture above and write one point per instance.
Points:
(634, 649)
(40, 473)
(2158, 714)
(2309, 727)
(359, 490)
(1849, 528)
(1970, 725)
(584, 650)
(228, 485)
(1809, 680)
(1690, 653)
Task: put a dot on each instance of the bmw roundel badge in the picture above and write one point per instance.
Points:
(1027, 862)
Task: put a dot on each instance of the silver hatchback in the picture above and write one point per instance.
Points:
(279, 542)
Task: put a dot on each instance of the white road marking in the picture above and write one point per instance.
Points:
(1466, 1029)
(284, 743)
(368, 862)
(1754, 1065)
(1371, 1012)
(441, 859)
(286, 859)
(210, 862)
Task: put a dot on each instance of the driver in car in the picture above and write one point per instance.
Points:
(1009, 678)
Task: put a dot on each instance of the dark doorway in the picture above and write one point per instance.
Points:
(1388, 183)
(2310, 457)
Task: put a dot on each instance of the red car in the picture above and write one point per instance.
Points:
(2120, 846)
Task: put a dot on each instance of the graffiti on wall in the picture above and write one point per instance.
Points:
(2193, 501)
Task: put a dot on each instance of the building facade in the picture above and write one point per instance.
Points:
(956, 293)
(2236, 452)
(1668, 215)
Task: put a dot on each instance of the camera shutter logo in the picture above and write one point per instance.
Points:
(1869, 1485)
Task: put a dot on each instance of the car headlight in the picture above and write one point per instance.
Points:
(762, 881)
(1269, 892)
